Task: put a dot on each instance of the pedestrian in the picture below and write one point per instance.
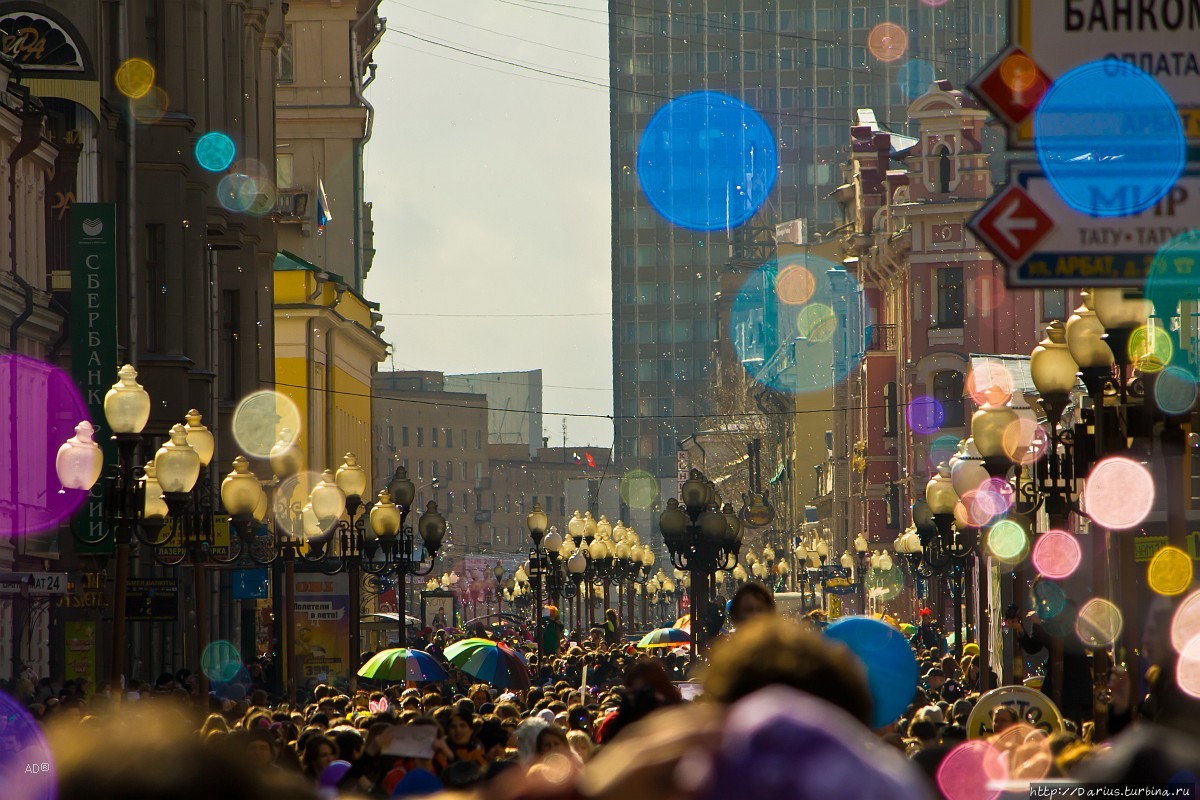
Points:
(613, 633)
(552, 633)
(749, 601)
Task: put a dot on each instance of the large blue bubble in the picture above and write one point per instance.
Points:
(26, 765)
(796, 324)
(215, 151)
(891, 666)
(1109, 139)
(915, 77)
(707, 161)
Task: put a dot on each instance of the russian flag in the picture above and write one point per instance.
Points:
(324, 217)
(575, 457)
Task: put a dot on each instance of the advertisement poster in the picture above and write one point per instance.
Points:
(81, 652)
(322, 627)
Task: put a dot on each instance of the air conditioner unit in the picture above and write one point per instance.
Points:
(292, 205)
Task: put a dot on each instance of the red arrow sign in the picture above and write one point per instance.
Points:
(1011, 225)
(1011, 86)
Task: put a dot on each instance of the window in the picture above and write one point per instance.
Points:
(508, 504)
(944, 168)
(420, 470)
(462, 440)
(463, 464)
(891, 413)
(949, 282)
(229, 364)
(1054, 304)
(433, 437)
(420, 437)
(478, 470)
(449, 470)
(449, 439)
(404, 436)
(562, 506)
(477, 440)
(433, 465)
(948, 390)
(283, 67)
(284, 171)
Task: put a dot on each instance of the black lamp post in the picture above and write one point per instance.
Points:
(702, 539)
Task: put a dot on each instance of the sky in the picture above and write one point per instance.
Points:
(490, 185)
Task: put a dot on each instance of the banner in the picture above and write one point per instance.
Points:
(80, 652)
(152, 599)
(93, 259)
(322, 627)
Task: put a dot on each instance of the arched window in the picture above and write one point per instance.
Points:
(948, 390)
(943, 170)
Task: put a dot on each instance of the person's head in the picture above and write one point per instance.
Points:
(551, 739)
(319, 753)
(1003, 718)
(924, 731)
(459, 775)
(771, 650)
(349, 744)
(751, 600)
(648, 674)
(580, 744)
(935, 678)
(460, 728)
(215, 722)
(579, 718)
(260, 747)
(610, 615)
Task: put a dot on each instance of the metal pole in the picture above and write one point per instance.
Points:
(355, 614)
(289, 623)
(200, 574)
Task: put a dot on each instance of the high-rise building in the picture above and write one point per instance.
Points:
(804, 67)
(514, 404)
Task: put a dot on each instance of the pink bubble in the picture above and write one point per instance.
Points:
(1187, 673)
(887, 41)
(1057, 554)
(990, 382)
(1025, 441)
(935, 3)
(966, 771)
(1185, 624)
(987, 291)
(1119, 493)
(39, 409)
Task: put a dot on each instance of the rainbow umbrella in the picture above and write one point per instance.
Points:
(664, 637)
(684, 623)
(401, 664)
(493, 663)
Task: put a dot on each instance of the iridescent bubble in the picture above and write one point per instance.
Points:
(1099, 623)
(220, 661)
(967, 771)
(1187, 671)
(40, 407)
(887, 41)
(27, 769)
(1049, 599)
(150, 107)
(1019, 73)
(885, 584)
(1057, 554)
(1025, 441)
(290, 499)
(1026, 751)
(1185, 624)
(1007, 542)
(816, 322)
(1150, 348)
(990, 382)
(987, 291)
(134, 77)
(941, 449)
(764, 330)
(1175, 390)
(935, 3)
(978, 508)
(639, 489)
(1170, 572)
(215, 151)
(261, 418)
(915, 77)
(1174, 274)
(235, 192)
(1119, 493)
(1109, 139)
(925, 415)
(707, 161)
(795, 285)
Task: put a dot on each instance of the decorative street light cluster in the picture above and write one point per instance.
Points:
(703, 538)
(168, 506)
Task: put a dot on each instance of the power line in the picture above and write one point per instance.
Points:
(477, 65)
(506, 35)
(499, 316)
(574, 414)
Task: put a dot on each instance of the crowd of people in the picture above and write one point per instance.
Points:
(782, 711)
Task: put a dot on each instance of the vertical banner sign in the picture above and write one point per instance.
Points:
(81, 652)
(93, 254)
(323, 628)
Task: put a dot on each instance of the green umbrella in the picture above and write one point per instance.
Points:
(402, 664)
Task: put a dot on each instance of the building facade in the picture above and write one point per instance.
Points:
(804, 67)
(514, 404)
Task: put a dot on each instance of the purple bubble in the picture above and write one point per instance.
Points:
(39, 409)
(925, 414)
(26, 765)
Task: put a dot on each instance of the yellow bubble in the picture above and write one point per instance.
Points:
(816, 322)
(639, 489)
(1099, 623)
(1007, 542)
(150, 107)
(1170, 572)
(134, 78)
(795, 285)
(262, 418)
(1150, 348)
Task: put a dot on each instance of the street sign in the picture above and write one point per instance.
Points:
(38, 582)
(1055, 37)
(151, 599)
(1046, 243)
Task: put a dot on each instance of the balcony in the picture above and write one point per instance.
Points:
(881, 338)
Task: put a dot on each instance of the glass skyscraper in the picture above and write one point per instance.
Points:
(805, 66)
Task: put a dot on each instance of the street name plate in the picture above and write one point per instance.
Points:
(38, 582)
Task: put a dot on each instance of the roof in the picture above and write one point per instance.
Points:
(1018, 370)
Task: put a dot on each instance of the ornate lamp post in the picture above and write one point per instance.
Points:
(702, 538)
(860, 549)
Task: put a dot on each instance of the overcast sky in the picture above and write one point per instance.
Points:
(490, 186)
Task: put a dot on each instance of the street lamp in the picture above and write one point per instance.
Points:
(702, 539)
(860, 549)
